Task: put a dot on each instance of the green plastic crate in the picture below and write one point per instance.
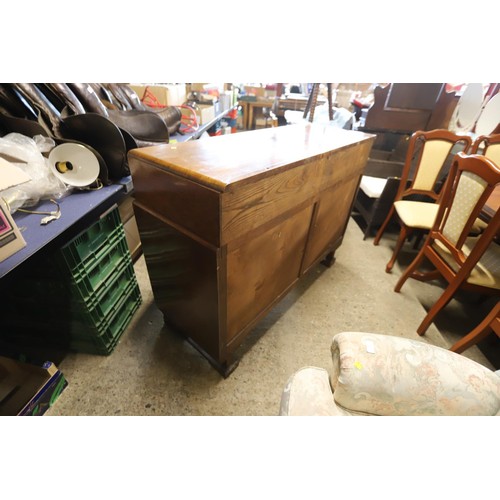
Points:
(103, 337)
(97, 306)
(101, 311)
(94, 240)
(83, 295)
(80, 335)
(34, 293)
(89, 278)
(71, 303)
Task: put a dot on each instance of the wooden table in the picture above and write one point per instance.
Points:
(248, 108)
(294, 102)
(228, 225)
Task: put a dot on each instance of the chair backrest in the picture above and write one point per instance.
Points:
(487, 145)
(428, 160)
(471, 180)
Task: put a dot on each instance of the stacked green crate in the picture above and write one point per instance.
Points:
(82, 297)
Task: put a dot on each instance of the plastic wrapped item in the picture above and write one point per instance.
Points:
(26, 153)
(44, 143)
(342, 118)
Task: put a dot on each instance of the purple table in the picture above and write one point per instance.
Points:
(75, 208)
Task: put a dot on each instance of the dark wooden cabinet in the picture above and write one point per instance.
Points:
(229, 224)
(404, 108)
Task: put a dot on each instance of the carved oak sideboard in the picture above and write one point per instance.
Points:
(228, 225)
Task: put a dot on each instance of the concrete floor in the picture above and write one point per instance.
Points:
(154, 371)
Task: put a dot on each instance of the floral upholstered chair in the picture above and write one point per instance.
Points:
(374, 374)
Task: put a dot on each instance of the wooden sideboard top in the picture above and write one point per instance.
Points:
(222, 161)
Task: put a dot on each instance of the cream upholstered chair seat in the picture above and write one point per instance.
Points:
(417, 214)
(421, 215)
(486, 272)
(375, 374)
(372, 186)
(374, 199)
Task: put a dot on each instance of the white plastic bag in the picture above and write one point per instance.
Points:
(26, 153)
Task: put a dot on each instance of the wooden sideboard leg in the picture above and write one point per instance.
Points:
(228, 368)
(329, 259)
(225, 368)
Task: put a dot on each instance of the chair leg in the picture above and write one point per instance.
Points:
(403, 234)
(412, 268)
(480, 332)
(330, 101)
(440, 304)
(368, 228)
(311, 102)
(419, 236)
(383, 227)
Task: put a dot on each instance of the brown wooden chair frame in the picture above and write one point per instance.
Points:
(490, 172)
(483, 142)
(406, 186)
(489, 324)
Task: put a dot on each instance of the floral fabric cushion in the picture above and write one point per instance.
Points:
(386, 375)
(308, 393)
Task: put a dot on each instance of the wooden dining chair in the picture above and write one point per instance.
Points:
(464, 261)
(415, 205)
(487, 145)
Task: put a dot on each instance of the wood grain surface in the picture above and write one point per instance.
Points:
(231, 223)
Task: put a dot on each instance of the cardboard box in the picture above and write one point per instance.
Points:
(197, 87)
(259, 92)
(256, 91)
(165, 94)
(127, 217)
(205, 113)
(27, 389)
(132, 237)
